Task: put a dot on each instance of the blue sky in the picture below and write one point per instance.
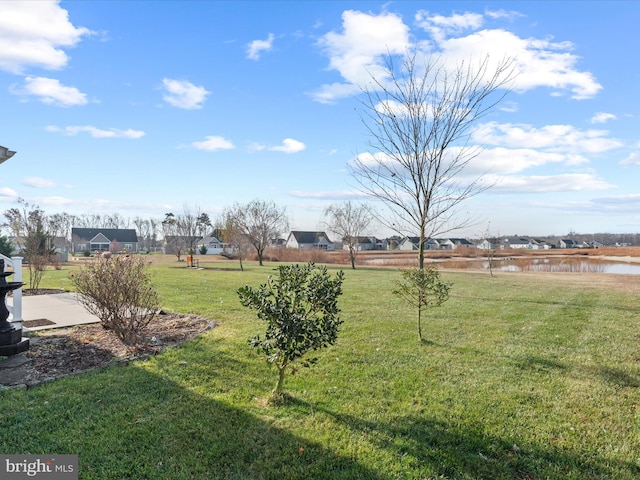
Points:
(141, 108)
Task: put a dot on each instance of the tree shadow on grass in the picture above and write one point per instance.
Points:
(435, 447)
(560, 303)
(539, 364)
(616, 376)
(131, 423)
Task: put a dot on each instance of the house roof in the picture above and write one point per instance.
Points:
(515, 240)
(414, 240)
(461, 241)
(362, 240)
(209, 239)
(118, 234)
(309, 237)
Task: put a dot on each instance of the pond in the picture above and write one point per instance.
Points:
(558, 264)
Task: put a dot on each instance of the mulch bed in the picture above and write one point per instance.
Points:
(60, 352)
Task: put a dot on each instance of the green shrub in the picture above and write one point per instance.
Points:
(300, 307)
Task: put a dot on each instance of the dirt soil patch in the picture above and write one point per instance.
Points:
(60, 352)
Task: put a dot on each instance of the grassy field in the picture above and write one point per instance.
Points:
(522, 376)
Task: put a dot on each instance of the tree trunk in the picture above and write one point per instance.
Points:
(421, 251)
(278, 389)
(352, 255)
(419, 324)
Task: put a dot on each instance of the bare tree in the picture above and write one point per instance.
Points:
(349, 221)
(232, 235)
(29, 225)
(181, 231)
(60, 226)
(119, 291)
(96, 220)
(419, 118)
(142, 229)
(260, 222)
(173, 241)
(491, 245)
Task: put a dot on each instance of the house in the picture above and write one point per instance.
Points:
(61, 244)
(488, 244)
(568, 243)
(392, 243)
(409, 244)
(366, 244)
(309, 240)
(412, 243)
(516, 242)
(174, 244)
(460, 243)
(541, 244)
(104, 240)
(212, 244)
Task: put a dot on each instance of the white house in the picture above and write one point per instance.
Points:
(409, 244)
(309, 240)
(212, 244)
(412, 243)
(517, 242)
(367, 243)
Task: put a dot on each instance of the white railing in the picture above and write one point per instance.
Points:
(15, 308)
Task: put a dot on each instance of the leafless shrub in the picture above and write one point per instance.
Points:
(294, 255)
(119, 292)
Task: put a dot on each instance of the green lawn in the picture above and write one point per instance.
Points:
(521, 376)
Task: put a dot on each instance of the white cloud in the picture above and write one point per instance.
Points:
(38, 182)
(96, 132)
(602, 117)
(330, 92)
(358, 51)
(335, 195)
(255, 48)
(440, 26)
(554, 138)
(51, 91)
(55, 201)
(623, 204)
(632, 160)
(289, 145)
(572, 182)
(371, 159)
(184, 94)
(8, 192)
(34, 34)
(507, 160)
(212, 143)
(509, 15)
(538, 63)
(508, 107)
(255, 147)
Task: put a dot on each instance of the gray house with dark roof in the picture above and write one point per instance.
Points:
(309, 240)
(104, 240)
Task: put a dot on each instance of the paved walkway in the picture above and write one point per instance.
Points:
(57, 311)
(63, 309)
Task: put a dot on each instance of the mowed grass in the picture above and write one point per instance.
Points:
(521, 376)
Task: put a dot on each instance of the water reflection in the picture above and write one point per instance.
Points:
(574, 265)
